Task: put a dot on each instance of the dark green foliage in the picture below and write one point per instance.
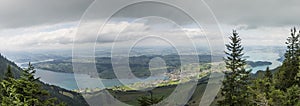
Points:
(73, 99)
(293, 96)
(9, 73)
(259, 93)
(278, 97)
(261, 89)
(298, 78)
(268, 75)
(9, 94)
(288, 71)
(148, 101)
(5, 65)
(235, 85)
(283, 89)
(24, 91)
(264, 96)
(234, 61)
(268, 82)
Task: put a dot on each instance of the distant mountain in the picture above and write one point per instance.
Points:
(63, 95)
(138, 64)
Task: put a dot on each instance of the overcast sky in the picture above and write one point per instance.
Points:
(52, 24)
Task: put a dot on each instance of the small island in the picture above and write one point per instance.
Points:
(258, 63)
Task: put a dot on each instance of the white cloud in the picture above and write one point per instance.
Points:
(36, 38)
(60, 36)
(263, 36)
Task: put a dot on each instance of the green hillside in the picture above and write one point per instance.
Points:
(69, 97)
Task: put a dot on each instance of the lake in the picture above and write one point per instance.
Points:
(67, 80)
(257, 55)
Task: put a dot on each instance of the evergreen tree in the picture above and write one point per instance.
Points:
(278, 97)
(9, 73)
(268, 79)
(261, 89)
(288, 71)
(290, 97)
(235, 85)
(293, 96)
(258, 93)
(10, 95)
(24, 91)
(298, 78)
(268, 75)
(287, 91)
(32, 90)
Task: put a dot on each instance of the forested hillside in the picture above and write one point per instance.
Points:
(62, 95)
(4, 63)
(279, 88)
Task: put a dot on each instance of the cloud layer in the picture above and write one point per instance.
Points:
(20, 13)
(53, 24)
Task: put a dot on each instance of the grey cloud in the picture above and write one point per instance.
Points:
(256, 13)
(25, 13)
(253, 13)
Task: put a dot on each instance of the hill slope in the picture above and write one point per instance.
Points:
(63, 95)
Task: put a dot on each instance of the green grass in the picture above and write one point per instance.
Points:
(130, 97)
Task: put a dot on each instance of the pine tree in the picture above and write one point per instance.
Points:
(235, 85)
(32, 90)
(9, 74)
(268, 78)
(278, 97)
(293, 96)
(288, 71)
(290, 97)
(10, 95)
(268, 75)
(25, 91)
(261, 89)
(258, 93)
(287, 91)
(298, 78)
